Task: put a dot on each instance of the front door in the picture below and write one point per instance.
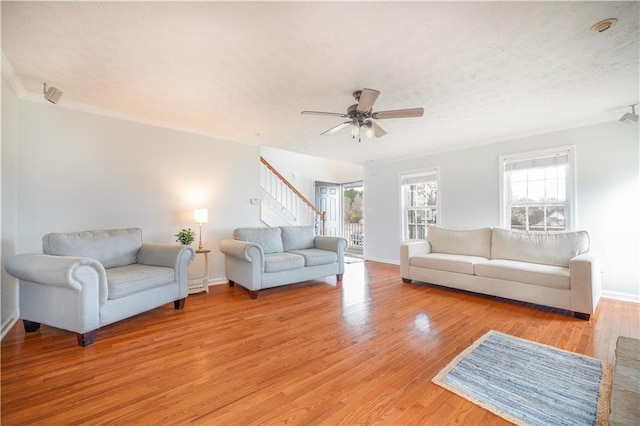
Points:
(328, 198)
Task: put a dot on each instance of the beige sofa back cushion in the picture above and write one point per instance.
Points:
(270, 239)
(546, 248)
(112, 247)
(470, 242)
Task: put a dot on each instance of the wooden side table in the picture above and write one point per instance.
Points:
(199, 284)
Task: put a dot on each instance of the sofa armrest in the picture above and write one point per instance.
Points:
(336, 244)
(59, 271)
(243, 263)
(241, 250)
(177, 257)
(585, 284)
(167, 255)
(50, 270)
(408, 250)
(61, 291)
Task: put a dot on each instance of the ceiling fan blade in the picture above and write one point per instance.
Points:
(399, 113)
(336, 128)
(367, 98)
(377, 130)
(332, 114)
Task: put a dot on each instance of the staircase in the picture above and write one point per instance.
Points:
(282, 204)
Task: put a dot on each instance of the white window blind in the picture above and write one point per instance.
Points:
(418, 178)
(535, 163)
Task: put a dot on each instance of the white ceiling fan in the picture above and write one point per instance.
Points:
(361, 115)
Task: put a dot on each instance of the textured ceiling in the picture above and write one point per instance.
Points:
(483, 71)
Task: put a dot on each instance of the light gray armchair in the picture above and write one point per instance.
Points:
(86, 280)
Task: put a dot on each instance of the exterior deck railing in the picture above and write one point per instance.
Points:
(354, 232)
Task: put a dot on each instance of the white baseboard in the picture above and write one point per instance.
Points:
(217, 281)
(625, 297)
(376, 259)
(9, 323)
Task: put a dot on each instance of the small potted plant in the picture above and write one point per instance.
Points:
(186, 236)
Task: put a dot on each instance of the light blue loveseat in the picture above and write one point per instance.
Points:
(259, 258)
(85, 280)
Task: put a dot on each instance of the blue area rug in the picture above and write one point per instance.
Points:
(530, 384)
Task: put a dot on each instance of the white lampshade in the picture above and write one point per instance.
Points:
(201, 215)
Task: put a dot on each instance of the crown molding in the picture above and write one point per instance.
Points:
(510, 137)
(23, 94)
(106, 112)
(12, 77)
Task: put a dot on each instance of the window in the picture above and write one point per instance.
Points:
(419, 203)
(537, 190)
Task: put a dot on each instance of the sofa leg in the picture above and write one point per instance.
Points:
(179, 304)
(85, 339)
(339, 277)
(407, 280)
(231, 283)
(253, 294)
(30, 326)
(581, 316)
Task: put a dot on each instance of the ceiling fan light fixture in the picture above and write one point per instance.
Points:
(370, 133)
(630, 116)
(355, 129)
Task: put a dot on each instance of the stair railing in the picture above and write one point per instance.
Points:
(289, 198)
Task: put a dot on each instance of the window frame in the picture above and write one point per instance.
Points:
(570, 183)
(403, 209)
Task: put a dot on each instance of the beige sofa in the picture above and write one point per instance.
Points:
(551, 269)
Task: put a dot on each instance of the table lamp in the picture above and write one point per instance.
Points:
(201, 216)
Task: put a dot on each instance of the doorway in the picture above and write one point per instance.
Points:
(353, 216)
(344, 207)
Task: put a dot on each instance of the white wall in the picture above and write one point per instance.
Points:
(79, 171)
(608, 193)
(303, 170)
(9, 145)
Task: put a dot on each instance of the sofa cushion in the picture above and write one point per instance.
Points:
(556, 248)
(126, 280)
(112, 248)
(277, 262)
(470, 242)
(298, 237)
(270, 239)
(525, 272)
(315, 257)
(446, 262)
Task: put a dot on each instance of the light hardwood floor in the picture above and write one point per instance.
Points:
(362, 353)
